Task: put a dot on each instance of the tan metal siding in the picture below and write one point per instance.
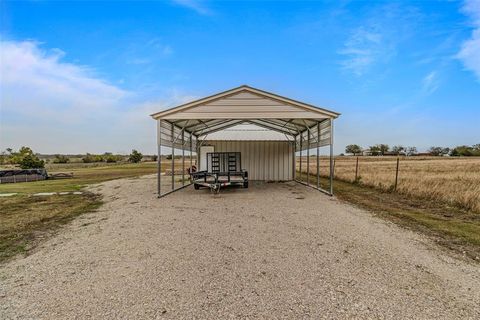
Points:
(245, 96)
(264, 160)
(244, 105)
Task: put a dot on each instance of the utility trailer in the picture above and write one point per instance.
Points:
(223, 169)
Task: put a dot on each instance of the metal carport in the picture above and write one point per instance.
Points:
(186, 127)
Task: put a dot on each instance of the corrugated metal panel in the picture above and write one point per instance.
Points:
(166, 136)
(325, 131)
(264, 160)
(243, 96)
(245, 105)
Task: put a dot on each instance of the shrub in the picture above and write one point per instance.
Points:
(61, 159)
(3, 158)
(110, 158)
(90, 158)
(24, 157)
(465, 151)
(31, 161)
(135, 156)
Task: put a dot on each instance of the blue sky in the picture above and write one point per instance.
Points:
(84, 76)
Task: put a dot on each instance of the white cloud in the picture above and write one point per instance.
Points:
(35, 80)
(470, 52)
(362, 49)
(55, 106)
(196, 5)
(430, 83)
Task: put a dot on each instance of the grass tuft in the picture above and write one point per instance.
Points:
(26, 219)
(453, 227)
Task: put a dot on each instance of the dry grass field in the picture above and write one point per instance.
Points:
(454, 181)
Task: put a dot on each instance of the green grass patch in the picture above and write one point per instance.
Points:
(26, 219)
(82, 176)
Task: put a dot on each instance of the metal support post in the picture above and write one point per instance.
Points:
(331, 157)
(173, 158)
(301, 139)
(159, 157)
(318, 154)
(183, 157)
(308, 157)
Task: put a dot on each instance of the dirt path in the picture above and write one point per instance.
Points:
(272, 251)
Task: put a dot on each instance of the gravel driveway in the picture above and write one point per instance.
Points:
(272, 251)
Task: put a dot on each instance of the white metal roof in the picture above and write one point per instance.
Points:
(242, 105)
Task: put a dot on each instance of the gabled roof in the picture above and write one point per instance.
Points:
(245, 102)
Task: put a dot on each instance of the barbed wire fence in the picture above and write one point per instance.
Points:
(341, 164)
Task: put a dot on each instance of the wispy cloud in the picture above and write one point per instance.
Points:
(196, 5)
(430, 82)
(470, 52)
(148, 52)
(375, 41)
(361, 50)
(55, 106)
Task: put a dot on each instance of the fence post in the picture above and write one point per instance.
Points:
(333, 171)
(396, 174)
(356, 171)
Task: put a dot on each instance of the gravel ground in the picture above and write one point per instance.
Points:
(272, 251)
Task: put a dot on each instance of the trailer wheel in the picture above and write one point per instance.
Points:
(196, 186)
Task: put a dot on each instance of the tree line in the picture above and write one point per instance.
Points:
(108, 157)
(384, 149)
(25, 158)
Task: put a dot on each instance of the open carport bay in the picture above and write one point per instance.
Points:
(274, 250)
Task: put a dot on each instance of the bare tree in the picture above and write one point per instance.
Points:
(411, 151)
(383, 148)
(398, 149)
(375, 150)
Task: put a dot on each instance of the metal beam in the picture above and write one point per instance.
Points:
(181, 134)
(226, 126)
(266, 126)
(183, 158)
(318, 154)
(171, 191)
(281, 123)
(270, 123)
(308, 158)
(319, 189)
(191, 154)
(209, 123)
(331, 157)
(294, 160)
(159, 157)
(172, 123)
(173, 159)
(301, 139)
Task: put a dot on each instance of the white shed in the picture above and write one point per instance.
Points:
(268, 129)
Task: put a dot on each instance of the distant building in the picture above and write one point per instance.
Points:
(423, 154)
